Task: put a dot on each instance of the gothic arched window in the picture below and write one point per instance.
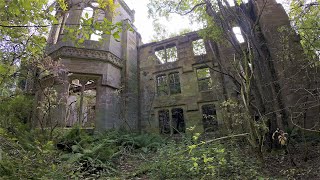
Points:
(88, 13)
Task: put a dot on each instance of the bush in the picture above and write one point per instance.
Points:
(191, 160)
(96, 156)
(15, 109)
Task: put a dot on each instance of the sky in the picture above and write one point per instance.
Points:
(144, 24)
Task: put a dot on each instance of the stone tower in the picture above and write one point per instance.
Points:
(101, 76)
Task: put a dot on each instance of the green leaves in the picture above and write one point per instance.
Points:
(305, 19)
(63, 5)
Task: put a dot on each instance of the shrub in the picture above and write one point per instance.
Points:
(191, 160)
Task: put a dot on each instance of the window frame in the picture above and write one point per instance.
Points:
(175, 85)
(166, 90)
(164, 126)
(175, 124)
(198, 52)
(204, 79)
(207, 126)
(165, 57)
(97, 35)
(169, 86)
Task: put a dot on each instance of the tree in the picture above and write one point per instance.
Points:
(305, 20)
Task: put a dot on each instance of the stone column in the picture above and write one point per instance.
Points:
(62, 89)
(107, 108)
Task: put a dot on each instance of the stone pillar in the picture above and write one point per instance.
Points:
(130, 77)
(107, 108)
(62, 89)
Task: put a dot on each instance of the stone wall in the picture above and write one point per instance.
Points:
(191, 98)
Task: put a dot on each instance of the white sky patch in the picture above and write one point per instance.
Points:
(175, 25)
(144, 24)
(87, 13)
(237, 32)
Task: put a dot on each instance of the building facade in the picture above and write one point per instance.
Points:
(163, 86)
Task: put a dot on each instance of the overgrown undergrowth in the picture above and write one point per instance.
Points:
(74, 154)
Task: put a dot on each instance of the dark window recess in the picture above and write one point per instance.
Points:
(171, 86)
(164, 121)
(209, 118)
(204, 79)
(178, 124)
(162, 85)
(174, 82)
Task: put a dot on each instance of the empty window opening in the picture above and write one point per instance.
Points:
(87, 13)
(81, 103)
(162, 85)
(237, 32)
(172, 54)
(178, 124)
(168, 84)
(168, 54)
(209, 118)
(174, 81)
(97, 16)
(204, 79)
(164, 121)
(171, 125)
(161, 55)
(199, 47)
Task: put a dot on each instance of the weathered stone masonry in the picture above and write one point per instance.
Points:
(162, 86)
(110, 65)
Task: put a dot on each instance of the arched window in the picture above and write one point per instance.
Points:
(88, 13)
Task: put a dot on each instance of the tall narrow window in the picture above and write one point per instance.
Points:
(209, 118)
(164, 121)
(198, 47)
(88, 13)
(178, 124)
(174, 81)
(98, 17)
(172, 54)
(162, 85)
(204, 79)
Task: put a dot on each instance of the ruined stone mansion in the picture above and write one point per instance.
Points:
(162, 86)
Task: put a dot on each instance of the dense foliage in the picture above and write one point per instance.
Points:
(305, 19)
